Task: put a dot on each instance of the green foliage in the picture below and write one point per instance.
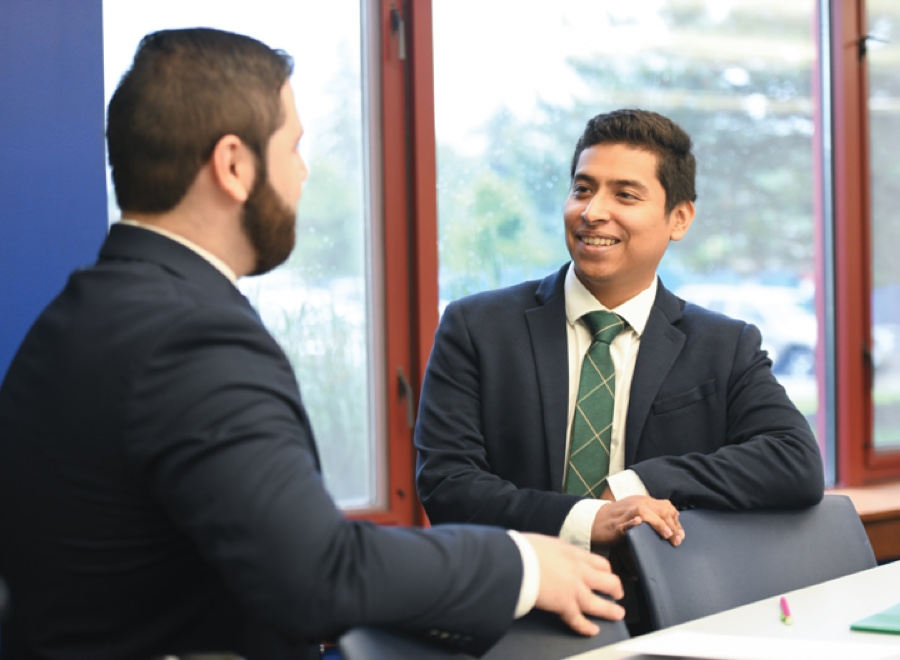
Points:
(497, 228)
(330, 234)
(330, 217)
(750, 116)
(324, 338)
(329, 357)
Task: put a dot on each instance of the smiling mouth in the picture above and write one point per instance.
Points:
(598, 241)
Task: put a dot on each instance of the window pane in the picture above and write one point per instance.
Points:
(318, 303)
(738, 76)
(884, 124)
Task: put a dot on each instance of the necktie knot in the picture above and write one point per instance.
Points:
(604, 326)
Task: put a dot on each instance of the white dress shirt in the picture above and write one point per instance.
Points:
(219, 265)
(576, 528)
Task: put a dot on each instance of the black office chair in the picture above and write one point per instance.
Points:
(4, 599)
(4, 606)
(731, 558)
(538, 635)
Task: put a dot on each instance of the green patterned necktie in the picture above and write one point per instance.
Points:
(592, 425)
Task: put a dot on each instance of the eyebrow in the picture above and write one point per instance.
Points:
(618, 183)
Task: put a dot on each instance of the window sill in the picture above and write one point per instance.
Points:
(879, 509)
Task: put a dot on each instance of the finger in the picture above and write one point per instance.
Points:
(598, 563)
(631, 522)
(628, 524)
(607, 583)
(603, 608)
(679, 530)
(580, 623)
(658, 524)
(674, 522)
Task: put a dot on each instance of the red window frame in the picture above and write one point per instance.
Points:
(857, 461)
(410, 240)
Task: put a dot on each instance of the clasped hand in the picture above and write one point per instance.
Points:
(617, 517)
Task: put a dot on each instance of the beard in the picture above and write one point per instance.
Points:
(269, 224)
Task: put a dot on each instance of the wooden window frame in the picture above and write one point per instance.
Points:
(857, 461)
(409, 199)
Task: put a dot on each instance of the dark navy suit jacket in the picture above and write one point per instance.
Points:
(160, 489)
(708, 425)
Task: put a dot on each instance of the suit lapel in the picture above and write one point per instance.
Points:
(127, 242)
(661, 344)
(547, 328)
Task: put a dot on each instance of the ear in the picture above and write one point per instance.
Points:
(680, 220)
(233, 167)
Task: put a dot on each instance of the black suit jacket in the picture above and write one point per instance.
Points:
(707, 424)
(160, 489)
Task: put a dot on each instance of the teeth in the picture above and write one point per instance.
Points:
(596, 240)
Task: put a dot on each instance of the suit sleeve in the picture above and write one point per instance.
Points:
(734, 442)
(219, 432)
(479, 433)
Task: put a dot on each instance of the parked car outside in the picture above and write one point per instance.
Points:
(788, 325)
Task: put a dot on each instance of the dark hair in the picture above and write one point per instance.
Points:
(676, 168)
(186, 89)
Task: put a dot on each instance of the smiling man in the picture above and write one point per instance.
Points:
(696, 418)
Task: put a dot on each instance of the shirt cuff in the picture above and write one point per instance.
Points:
(626, 483)
(531, 575)
(576, 528)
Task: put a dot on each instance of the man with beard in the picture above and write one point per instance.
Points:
(159, 482)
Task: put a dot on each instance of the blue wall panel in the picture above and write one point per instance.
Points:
(53, 213)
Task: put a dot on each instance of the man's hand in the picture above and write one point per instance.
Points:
(570, 576)
(616, 518)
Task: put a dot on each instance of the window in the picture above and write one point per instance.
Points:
(883, 55)
(478, 106)
(865, 340)
(741, 77)
(326, 305)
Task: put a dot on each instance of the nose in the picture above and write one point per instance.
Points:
(304, 170)
(595, 209)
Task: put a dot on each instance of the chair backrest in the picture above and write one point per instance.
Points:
(4, 607)
(4, 599)
(536, 636)
(731, 558)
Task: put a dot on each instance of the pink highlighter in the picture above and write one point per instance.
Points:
(785, 612)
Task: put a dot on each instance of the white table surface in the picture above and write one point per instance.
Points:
(821, 614)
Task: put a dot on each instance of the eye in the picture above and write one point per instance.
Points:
(580, 189)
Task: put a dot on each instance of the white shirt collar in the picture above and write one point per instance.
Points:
(219, 265)
(580, 301)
